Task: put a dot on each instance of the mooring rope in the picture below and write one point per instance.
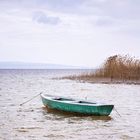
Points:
(31, 99)
(117, 111)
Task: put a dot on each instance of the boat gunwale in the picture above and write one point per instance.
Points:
(74, 101)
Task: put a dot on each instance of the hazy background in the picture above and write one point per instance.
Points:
(68, 32)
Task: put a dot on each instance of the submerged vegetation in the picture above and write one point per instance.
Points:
(116, 68)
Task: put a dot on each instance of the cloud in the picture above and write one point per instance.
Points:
(119, 9)
(41, 17)
(105, 22)
(66, 6)
(91, 26)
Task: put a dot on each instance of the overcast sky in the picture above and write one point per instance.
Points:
(71, 32)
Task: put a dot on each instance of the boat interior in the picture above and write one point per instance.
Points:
(62, 99)
(72, 100)
(69, 100)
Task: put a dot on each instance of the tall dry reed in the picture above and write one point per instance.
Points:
(120, 67)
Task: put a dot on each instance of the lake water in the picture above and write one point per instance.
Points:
(32, 121)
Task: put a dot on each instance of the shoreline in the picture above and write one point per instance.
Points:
(103, 80)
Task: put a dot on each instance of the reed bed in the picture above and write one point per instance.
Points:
(116, 68)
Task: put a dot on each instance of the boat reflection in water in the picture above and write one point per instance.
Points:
(63, 114)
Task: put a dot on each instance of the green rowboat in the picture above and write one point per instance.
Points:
(76, 106)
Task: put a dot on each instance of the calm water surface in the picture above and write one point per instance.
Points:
(34, 122)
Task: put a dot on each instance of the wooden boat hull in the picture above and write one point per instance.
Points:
(71, 105)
